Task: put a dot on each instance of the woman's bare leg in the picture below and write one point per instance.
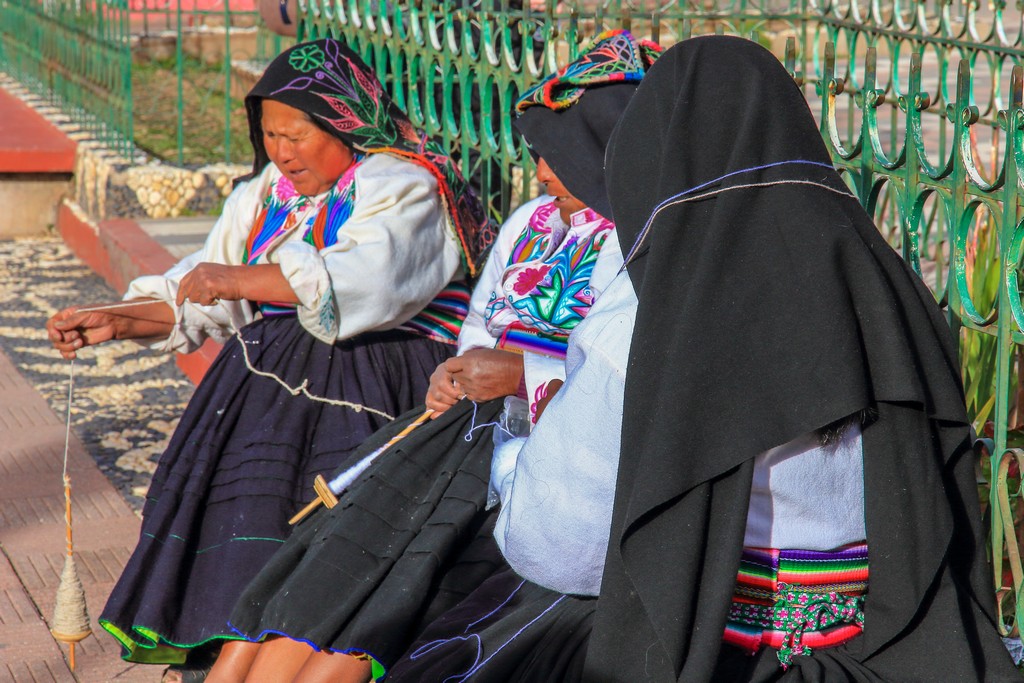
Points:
(279, 659)
(233, 663)
(334, 667)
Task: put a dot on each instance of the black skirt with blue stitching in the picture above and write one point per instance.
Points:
(407, 542)
(241, 462)
(508, 630)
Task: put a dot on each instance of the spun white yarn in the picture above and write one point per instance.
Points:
(302, 389)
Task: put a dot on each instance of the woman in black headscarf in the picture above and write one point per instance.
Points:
(412, 536)
(336, 277)
(771, 309)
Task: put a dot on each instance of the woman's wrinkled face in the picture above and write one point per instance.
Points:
(566, 203)
(307, 155)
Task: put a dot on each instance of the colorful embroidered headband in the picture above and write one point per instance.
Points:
(614, 57)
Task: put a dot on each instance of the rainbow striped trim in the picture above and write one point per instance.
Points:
(796, 601)
(270, 310)
(442, 319)
(520, 339)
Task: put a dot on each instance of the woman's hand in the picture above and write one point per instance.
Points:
(70, 330)
(483, 374)
(442, 393)
(207, 283)
(478, 374)
(552, 389)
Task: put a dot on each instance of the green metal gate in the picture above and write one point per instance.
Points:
(76, 55)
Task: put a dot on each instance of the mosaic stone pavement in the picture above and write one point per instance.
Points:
(127, 400)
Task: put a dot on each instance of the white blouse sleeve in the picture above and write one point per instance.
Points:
(392, 257)
(225, 244)
(557, 491)
(474, 332)
(608, 265)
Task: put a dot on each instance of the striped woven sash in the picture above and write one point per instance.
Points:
(798, 600)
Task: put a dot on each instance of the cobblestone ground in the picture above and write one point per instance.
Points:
(127, 400)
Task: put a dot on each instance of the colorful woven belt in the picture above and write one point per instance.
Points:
(519, 339)
(798, 600)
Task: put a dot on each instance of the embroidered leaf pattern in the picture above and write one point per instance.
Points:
(306, 58)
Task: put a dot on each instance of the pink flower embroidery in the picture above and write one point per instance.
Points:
(529, 278)
(284, 189)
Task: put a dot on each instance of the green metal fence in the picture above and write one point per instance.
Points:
(458, 67)
(201, 56)
(931, 139)
(76, 55)
(920, 101)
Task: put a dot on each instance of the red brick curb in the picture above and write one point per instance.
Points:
(31, 144)
(119, 251)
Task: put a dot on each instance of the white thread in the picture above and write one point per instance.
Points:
(473, 426)
(712, 193)
(301, 389)
(123, 304)
(294, 391)
(345, 479)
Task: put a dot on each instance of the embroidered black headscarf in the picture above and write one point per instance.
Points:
(328, 81)
(571, 131)
(768, 308)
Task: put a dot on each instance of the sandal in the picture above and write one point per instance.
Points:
(180, 674)
(196, 667)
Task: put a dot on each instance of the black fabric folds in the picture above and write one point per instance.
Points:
(572, 141)
(240, 464)
(407, 541)
(507, 630)
(766, 312)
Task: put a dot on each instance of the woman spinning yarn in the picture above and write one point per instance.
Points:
(355, 584)
(340, 263)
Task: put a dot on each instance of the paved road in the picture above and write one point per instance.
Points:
(125, 406)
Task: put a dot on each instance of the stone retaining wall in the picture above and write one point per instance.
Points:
(107, 185)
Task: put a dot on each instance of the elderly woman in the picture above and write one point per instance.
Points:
(792, 497)
(335, 277)
(404, 544)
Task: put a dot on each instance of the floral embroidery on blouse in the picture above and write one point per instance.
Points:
(546, 285)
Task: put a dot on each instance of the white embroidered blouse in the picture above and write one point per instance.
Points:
(483, 330)
(392, 256)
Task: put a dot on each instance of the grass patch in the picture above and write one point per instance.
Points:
(202, 106)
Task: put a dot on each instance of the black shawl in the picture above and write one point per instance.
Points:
(767, 312)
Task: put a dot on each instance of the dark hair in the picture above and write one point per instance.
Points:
(833, 433)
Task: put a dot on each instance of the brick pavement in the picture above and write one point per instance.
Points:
(32, 541)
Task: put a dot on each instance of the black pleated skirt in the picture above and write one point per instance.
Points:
(407, 542)
(508, 630)
(241, 462)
